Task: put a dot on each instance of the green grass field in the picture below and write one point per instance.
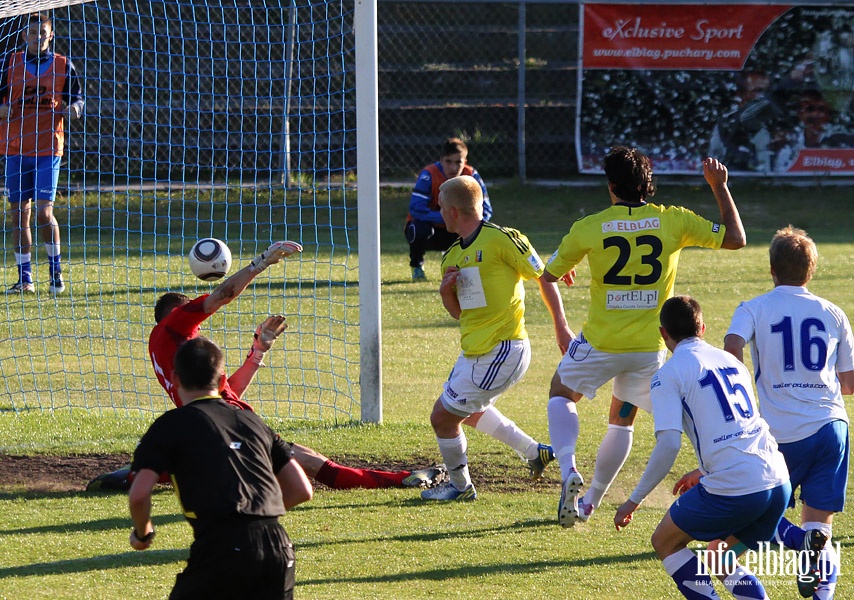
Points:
(387, 543)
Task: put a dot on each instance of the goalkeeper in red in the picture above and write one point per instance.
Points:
(632, 248)
(178, 320)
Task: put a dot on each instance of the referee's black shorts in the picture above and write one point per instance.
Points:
(245, 559)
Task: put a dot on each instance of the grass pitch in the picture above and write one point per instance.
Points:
(386, 543)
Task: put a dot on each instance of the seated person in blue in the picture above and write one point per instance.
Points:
(425, 227)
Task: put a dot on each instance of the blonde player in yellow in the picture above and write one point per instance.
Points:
(482, 287)
(632, 249)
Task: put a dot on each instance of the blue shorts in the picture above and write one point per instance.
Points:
(752, 518)
(32, 177)
(819, 466)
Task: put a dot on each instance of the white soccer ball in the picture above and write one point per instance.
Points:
(210, 259)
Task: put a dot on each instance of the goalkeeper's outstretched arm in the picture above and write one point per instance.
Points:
(233, 286)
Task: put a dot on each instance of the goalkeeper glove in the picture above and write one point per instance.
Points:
(274, 253)
(267, 333)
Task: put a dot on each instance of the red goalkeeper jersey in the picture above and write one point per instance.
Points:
(177, 327)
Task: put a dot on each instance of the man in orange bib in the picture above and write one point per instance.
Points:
(39, 91)
(425, 228)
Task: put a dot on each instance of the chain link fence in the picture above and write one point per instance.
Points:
(211, 91)
(182, 104)
(503, 76)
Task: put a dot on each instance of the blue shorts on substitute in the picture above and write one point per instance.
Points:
(32, 177)
(751, 518)
(819, 466)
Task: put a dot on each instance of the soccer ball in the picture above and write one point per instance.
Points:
(210, 259)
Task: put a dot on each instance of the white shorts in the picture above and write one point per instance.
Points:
(584, 369)
(475, 383)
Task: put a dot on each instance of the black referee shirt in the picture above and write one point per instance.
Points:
(222, 461)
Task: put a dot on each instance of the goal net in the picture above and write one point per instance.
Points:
(219, 119)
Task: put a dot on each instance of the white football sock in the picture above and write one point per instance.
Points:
(453, 452)
(825, 528)
(612, 455)
(494, 424)
(563, 432)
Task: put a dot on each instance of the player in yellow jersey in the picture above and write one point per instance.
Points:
(632, 249)
(482, 287)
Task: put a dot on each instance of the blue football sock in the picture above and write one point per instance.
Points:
(55, 267)
(790, 534)
(829, 568)
(743, 585)
(53, 257)
(690, 575)
(25, 272)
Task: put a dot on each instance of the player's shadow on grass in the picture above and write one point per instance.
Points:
(447, 323)
(411, 287)
(436, 536)
(294, 285)
(293, 288)
(97, 563)
(391, 503)
(465, 573)
(114, 524)
(16, 496)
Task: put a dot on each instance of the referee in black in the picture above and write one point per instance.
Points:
(234, 478)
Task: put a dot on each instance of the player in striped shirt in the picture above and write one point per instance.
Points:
(803, 354)
(633, 249)
(482, 287)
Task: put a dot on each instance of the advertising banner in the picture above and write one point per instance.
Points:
(766, 88)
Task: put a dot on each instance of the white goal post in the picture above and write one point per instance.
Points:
(367, 159)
